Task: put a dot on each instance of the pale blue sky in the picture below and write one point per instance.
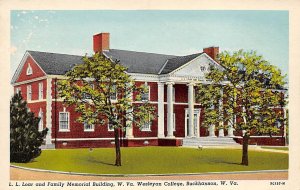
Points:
(166, 32)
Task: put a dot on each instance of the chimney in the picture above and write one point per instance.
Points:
(101, 42)
(212, 52)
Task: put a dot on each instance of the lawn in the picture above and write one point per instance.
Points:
(156, 160)
(275, 148)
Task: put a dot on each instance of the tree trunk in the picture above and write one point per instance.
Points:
(117, 147)
(245, 150)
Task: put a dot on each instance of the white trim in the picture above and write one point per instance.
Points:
(35, 101)
(30, 81)
(91, 139)
(144, 77)
(162, 68)
(49, 111)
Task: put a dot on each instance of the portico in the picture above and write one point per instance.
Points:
(191, 113)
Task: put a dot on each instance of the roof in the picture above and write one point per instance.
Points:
(55, 63)
(136, 62)
(139, 62)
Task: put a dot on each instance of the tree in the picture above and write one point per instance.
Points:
(101, 90)
(25, 139)
(253, 95)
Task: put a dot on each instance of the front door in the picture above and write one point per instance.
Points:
(196, 122)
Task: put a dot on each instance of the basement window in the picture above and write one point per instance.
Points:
(88, 127)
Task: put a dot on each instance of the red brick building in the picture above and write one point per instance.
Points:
(170, 79)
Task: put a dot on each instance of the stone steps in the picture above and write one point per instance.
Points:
(209, 141)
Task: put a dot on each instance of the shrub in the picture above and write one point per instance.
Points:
(25, 139)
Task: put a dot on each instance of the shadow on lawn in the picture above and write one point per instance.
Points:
(99, 162)
(225, 162)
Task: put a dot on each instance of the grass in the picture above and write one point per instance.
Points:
(155, 160)
(275, 148)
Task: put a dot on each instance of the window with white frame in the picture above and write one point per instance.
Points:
(29, 92)
(18, 90)
(88, 127)
(41, 91)
(113, 94)
(64, 121)
(29, 70)
(146, 126)
(41, 123)
(146, 95)
(87, 95)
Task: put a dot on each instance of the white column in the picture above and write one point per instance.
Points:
(49, 112)
(212, 131)
(129, 127)
(170, 109)
(221, 123)
(191, 109)
(230, 131)
(161, 114)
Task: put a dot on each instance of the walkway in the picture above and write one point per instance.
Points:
(23, 174)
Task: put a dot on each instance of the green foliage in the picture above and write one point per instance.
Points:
(25, 139)
(99, 79)
(253, 92)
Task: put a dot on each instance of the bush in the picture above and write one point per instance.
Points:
(25, 139)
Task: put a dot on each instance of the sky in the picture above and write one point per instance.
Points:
(165, 32)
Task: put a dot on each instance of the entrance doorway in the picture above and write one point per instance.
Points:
(196, 122)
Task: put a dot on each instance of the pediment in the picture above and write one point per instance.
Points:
(196, 68)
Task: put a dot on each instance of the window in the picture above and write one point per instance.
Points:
(87, 95)
(110, 127)
(146, 95)
(29, 70)
(88, 127)
(18, 90)
(202, 68)
(40, 90)
(64, 121)
(29, 92)
(113, 94)
(41, 123)
(146, 126)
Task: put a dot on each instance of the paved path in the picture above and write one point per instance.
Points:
(23, 174)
